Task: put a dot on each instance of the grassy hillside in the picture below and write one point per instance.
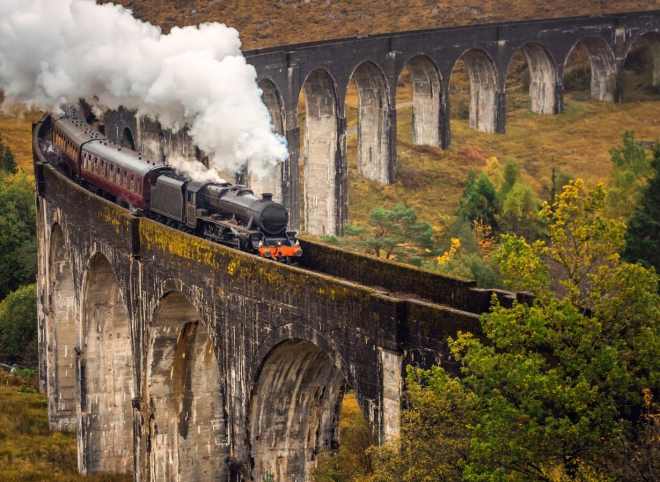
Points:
(29, 452)
(265, 22)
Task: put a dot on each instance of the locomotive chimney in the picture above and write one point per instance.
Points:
(267, 196)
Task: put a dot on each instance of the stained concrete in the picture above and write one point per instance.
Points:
(61, 337)
(427, 101)
(198, 362)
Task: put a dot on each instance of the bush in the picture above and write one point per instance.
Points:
(18, 326)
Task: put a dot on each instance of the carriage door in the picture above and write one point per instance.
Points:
(191, 209)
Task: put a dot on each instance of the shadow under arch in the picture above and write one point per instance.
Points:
(320, 168)
(127, 139)
(295, 403)
(542, 79)
(373, 127)
(188, 424)
(603, 69)
(106, 373)
(483, 90)
(62, 332)
(271, 181)
(651, 41)
(427, 119)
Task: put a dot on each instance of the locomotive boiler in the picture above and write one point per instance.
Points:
(229, 214)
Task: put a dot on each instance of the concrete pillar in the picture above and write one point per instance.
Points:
(391, 363)
(342, 176)
(500, 113)
(427, 99)
(484, 109)
(559, 98)
(291, 179)
(374, 147)
(392, 137)
(445, 122)
(542, 79)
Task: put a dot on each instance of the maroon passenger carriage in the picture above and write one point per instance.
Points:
(96, 160)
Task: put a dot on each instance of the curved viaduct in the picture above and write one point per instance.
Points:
(178, 359)
(317, 197)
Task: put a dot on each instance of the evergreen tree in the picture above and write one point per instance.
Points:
(479, 201)
(7, 161)
(643, 233)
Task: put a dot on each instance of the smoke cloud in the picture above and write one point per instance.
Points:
(54, 52)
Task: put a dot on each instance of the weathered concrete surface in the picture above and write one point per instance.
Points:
(318, 200)
(197, 362)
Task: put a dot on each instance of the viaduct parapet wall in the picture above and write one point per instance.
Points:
(314, 187)
(178, 359)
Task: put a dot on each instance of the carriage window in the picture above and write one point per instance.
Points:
(139, 186)
(132, 183)
(118, 176)
(125, 183)
(190, 197)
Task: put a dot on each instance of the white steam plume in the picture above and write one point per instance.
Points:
(54, 52)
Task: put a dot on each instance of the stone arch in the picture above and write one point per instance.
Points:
(106, 372)
(62, 336)
(542, 79)
(319, 174)
(427, 101)
(603, 68)
(127, 139)
(483, 90)
(272, 181)
(373, 122)
(188, 423)
(652, 39)
(294, 410)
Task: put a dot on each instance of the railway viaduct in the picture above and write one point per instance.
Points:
(314, 185)
(178, 359)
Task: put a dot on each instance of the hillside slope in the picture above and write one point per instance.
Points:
(264, 23)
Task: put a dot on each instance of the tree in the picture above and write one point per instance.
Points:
(18, 326)
(17, 233)
(7, 161)
(434, 442)
(564, 377)
(393, 233)
(631, 166)
(643, 233)
(558, 389)
(479, 201)
(519, 211)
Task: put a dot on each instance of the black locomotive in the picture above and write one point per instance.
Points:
(229, 214)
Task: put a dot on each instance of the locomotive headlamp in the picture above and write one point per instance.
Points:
(279, 243)
(267, 253)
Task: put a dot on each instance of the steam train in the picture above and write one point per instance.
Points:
(228, 214)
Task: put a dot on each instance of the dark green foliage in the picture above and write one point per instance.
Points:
(7, 161)
(18, 244)
(643, 232)
(479, 200)
(631, 167)
(18, 326)
(391, 233)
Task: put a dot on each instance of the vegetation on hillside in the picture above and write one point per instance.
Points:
(29, 451)
(18, 263)
(263, 23)
(562, 389)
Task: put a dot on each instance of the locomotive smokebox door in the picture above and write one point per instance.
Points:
(192, 201)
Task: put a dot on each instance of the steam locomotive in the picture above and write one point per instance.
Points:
(228, 214)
